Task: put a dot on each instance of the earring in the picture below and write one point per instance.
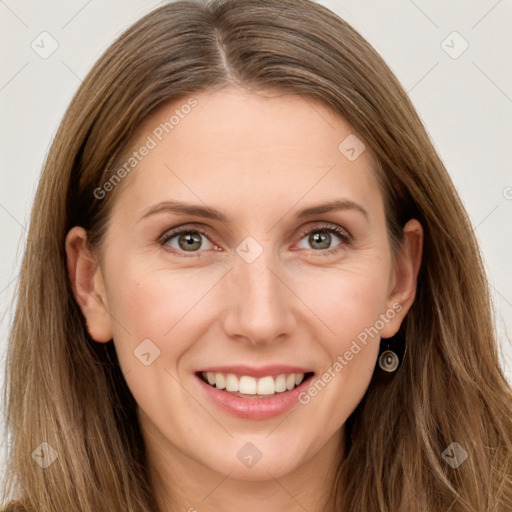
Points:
(389, 361)
(391, 353)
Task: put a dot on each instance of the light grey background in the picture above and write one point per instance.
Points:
(465, 102)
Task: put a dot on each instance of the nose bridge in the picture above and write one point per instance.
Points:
(261, 305)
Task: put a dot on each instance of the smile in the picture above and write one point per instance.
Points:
(253, 393)
(253, 387)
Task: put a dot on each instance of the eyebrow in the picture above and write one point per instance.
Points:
(206, 212)
(336, 205)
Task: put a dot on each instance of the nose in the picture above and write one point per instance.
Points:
(261, 309)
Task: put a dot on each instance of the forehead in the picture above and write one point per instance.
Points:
(250, 149)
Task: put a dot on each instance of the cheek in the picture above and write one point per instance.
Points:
(156, 321)
(152, 300)
(156, 305)
(347, 299)
(351, 307)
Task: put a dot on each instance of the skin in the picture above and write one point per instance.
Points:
(259, 159)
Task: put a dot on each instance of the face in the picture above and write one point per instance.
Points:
(246, 248)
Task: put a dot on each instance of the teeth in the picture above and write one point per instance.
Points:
(231, 383)
(247, 385)
(266, 386)
(280, 384)
(220, 381)
(251, 386)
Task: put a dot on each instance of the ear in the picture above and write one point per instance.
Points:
(88, 285)
(405, 276)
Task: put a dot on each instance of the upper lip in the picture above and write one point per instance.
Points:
(260, 371)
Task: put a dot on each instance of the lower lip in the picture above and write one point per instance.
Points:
(254, 408)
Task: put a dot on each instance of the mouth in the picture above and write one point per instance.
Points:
(254, 393)
(247, 386)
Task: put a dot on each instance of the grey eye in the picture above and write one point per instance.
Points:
(190, 241)
(321, 238)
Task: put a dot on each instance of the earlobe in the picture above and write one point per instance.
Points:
(406, 270)
(88, 285)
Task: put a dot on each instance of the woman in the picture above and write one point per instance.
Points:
(250, 280)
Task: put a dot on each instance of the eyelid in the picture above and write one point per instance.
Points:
(178, 230)
(333, 229)
(339, 231)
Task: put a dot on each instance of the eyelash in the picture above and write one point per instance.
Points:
(345, 237)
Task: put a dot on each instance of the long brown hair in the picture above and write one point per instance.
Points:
(67, 391)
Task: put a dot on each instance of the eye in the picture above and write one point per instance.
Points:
(188, 240)
(321, 238)
(192, 240)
